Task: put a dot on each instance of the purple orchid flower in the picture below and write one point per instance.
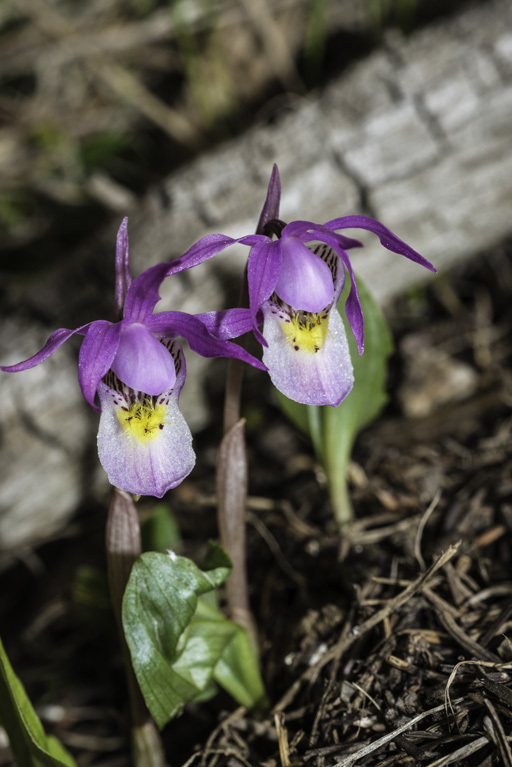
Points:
(294, 284)
(137, 369)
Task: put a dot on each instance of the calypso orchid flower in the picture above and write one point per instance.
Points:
(137, 369)
(294, 283)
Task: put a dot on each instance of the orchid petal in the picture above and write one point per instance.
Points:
(385, 235)
(305, 281)
(97, 352)
(170, 324)
(207, 247)
(270, 208)
(123, 276)
(305, 231)
(228, 323)
(145, 463)
(57, 338)
(142, 362)
(324, 377)
(263, 268)
(201, 251)
(143, 294)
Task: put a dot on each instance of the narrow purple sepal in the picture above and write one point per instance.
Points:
(263, 268)
(57, 338)
(270, 208)
(170, 324)
(143, 294)
(227, 323)
(305, 231)
(207, 247)
(97, 353)
(123, 276)
(142, 362)
(201, 251)
(385, 235)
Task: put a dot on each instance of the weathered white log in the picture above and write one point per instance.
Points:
(418, 135)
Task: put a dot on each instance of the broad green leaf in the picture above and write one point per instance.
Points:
(29, 742)
(177, 639)
(333, 429)
(238, 672)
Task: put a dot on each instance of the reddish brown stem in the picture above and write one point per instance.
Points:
(123, 546)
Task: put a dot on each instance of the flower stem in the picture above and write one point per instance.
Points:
(123, 546)
(337, 449)
(232, 493)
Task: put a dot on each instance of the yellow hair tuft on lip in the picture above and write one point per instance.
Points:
(142, 421)
(306, 331)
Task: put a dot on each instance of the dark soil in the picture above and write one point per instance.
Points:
(391, 646)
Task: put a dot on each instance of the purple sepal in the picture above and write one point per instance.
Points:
(97, 352)
(385, 235)
(228, 323)
(306, 232)
(201, 251)
(263, 268)
(305, 281)
(199, 339)
(123, 276)
(57, 338)
(143, 294)
(207, 247)
(142, 362)
(270, 208)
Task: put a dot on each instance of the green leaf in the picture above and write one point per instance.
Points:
(29, 742)
(333, 429)
(90, 597)
(159, 530)
(238, 672)
(177, 640)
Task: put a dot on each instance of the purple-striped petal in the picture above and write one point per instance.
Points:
(57, 338)
(308, 363)
(142, 362)
(171, 324)
(305, 281)
(145, 446)
(123, 276)
(385, 235)
(97, 352)
(270, 208)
